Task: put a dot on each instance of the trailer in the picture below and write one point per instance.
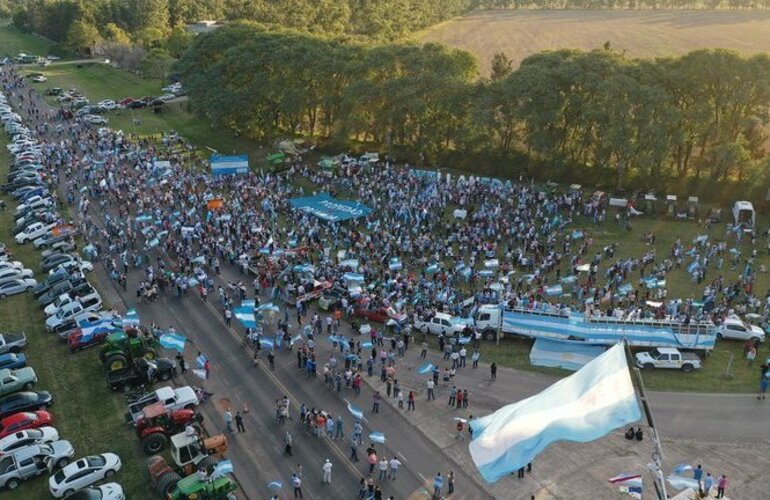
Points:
(494, 320)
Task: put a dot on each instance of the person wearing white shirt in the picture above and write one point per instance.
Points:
(394, 465)
(327, 468)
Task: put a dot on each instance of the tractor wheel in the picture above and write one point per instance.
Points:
(116, 362)
(149, 464)
(149, 354)
(165, 376)
(154, 443)
(166, 483)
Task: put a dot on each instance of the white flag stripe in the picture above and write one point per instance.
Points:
(603, 395)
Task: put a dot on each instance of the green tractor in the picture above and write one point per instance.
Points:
(121, 348)
(192, 488)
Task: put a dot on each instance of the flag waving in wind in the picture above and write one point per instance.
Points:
(585, 406)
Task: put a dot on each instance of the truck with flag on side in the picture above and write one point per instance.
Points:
(564, 324)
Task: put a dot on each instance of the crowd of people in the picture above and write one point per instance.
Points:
(149, 207)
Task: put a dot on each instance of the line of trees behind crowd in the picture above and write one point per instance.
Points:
(593, 116)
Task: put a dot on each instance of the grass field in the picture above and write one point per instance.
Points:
(96, 80)
(640, 33)
(13, 41)
(85, 411)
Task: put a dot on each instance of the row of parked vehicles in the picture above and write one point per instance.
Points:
(29, 444)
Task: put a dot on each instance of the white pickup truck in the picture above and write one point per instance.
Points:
(668, 357)
(735, 328)
(438, 324)
(171, 398)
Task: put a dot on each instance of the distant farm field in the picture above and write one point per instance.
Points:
(640, 33)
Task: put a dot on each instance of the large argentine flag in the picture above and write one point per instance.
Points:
(585, 406)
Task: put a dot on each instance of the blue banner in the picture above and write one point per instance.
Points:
(330, 209)
(229, 165)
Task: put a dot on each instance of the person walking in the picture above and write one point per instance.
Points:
(228, 417)
(459, 398)
(239, 422)
(475, 358)
(721, 485)
(493, 370)
(764, 382)
(395, 463)
(327, 470)
(450, 480)
(181, 362)
(452, 396)
(410, 401)
(288, 440)
(338, 432)
(424, 350)
(383, 468)
(431, 385)
(438, 483)
(708, 483)
(376, 398)
(354, 450)
(296, 483)
(465, 398)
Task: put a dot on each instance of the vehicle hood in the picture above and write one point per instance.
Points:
(643, 356)
(757, 330)
(62, 448)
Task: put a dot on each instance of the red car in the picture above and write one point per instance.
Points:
(23, 421)
(378, 315)
(77, 341)
(126, 101)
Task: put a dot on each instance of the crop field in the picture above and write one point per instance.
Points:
(639, 33)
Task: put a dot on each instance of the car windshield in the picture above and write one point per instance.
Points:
(59, 476)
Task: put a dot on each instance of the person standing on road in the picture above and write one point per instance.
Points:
(354, 450)
(452, 396)
(239, 422)
(228, 417)
(424, 350)
(451, 482)
(721, 485)
(327, 470)
(296, 483)
(376, 398)
(475, 358)
(383, 468)
(410, 401)
(180, 361)
(395, 463)
(438, 483)
(431, 385)
(358, 431)
(493, 370)
(338, 432)
(288, 441)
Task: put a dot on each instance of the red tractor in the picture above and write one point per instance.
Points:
(157, 424)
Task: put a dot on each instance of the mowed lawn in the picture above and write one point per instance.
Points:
(639, 33)
(96, 80)
(86, 412)
(13, 41)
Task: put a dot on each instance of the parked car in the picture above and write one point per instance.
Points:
(39, 79)
(12, 342)
(83, 473)
(49, 239)
(64, 301)
(735, 328)
(24, 420)
(17, 380)
(95, 119)
(34, 231)
(74, 265)
(668, 357)
(15, 286)
(25, 401)
(107, 104)
(32, 461)
(64, 287)
(12, 361)
(438, 324)
(82, 338)
(22, 439)
(107, 491)
(51, 280)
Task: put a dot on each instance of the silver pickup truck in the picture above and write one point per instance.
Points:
(12, 342)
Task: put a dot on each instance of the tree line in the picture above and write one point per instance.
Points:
(575, 114)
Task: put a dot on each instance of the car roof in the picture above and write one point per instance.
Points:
(667, 350)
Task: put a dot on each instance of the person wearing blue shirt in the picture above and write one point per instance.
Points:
(697, 473)
(438, 482)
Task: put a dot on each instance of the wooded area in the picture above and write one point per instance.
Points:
(698, 116)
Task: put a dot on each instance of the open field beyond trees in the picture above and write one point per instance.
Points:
(520, 34)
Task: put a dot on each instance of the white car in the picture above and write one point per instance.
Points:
(83, 473)
(83, 265)
(107, 104)
(15, 286)
(39, 79)
(167, 97)
(15, 264)
(34, 231)
(22, 439)
(107, 491)
(12, 273)
(95, 119)
(65, 299)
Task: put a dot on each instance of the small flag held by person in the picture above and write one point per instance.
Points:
(629, 484)
(173, 341)
(426, 368)
(222, 468)
(585, 406)
(377, 437)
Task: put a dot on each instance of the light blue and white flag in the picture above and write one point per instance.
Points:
(266, 343)
(131, 318)
(377, 437)
(274, 485)
(222, 468)
(356, 411)
(426, 368)
(201, 360)
(682, 468)
(585, 406)
(173, 341)
(200, 373)
(682, 483)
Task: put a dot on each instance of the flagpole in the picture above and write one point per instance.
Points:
(657, 455)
